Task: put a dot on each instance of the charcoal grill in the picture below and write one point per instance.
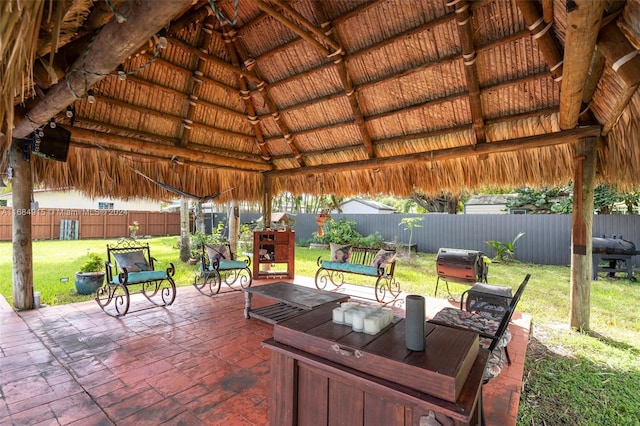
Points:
(461, 266)
(611, 255)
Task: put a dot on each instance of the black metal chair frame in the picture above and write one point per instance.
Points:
(210, 278)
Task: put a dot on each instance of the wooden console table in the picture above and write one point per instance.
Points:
(324, 374)
(274, 247)
(291, 300)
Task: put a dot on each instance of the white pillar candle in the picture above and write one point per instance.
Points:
(338, 316)
(380, 319)
(371, 325)
(388, 315)
(348, 316)
(358, 320)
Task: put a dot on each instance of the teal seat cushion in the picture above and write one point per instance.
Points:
(355, 268)
(140, 277)
(231, 264)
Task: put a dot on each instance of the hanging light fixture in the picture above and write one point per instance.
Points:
(122, 75)
(90, 97)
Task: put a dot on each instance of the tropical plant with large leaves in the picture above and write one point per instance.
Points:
(504, 251)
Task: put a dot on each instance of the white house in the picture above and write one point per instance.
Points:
(358, 206)
(73, 199)
(489, 204)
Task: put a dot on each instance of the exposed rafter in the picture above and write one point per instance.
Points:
(111, 46)
(623, 58)
(251, 65)
(206, 31)
(531, 142)
(541, 32)
(229, 38)
(580, 41)
(127, 144)
(469, 55)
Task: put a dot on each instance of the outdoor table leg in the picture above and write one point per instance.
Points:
(247, 304)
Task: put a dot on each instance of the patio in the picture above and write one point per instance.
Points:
(197, 362)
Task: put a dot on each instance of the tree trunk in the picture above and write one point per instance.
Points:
(185, 244)
(581, 262)
(234, 226)
(199, 217)
(22, 250)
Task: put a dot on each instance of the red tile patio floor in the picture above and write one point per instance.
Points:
(197, 362)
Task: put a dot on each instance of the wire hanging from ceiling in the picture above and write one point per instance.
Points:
(166, 186)
(221, 16)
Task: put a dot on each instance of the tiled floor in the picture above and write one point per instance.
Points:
(197, 362)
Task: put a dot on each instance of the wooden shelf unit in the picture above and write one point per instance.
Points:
(277, 247)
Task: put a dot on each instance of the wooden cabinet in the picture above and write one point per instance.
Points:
(325, 374)
(274, 247)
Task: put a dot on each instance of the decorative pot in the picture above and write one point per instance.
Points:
(88, 282)
(320, 220)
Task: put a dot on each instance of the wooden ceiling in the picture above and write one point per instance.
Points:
(332, 96)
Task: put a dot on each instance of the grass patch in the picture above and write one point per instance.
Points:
(570, 377)
(55, 261)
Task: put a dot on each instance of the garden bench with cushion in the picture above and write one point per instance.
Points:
(371, 262)
(129, 266)
(219, 264)
(491, 325)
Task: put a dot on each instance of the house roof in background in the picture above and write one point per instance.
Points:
(489, 199)
(370, 203)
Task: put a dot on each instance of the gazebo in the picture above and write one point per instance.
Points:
(319, 97)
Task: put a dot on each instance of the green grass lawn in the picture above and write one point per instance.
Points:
(570, 377)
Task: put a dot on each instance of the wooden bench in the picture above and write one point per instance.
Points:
(219, 264)
(130, 265)
(371, 262)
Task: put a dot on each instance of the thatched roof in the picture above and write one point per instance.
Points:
(323, 96)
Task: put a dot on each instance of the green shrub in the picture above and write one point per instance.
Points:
(94, 263)
(344, 232)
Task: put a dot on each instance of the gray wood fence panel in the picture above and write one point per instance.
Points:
(547, 239)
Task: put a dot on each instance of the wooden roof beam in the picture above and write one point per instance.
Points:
(624, 59)
(419, 68)
(206, 80)
(205, 35)
(216, 61)
(250, 63)
(181, 95)
(324, 38)
(430, 103)
(111, 47)
(435, 133)
(99, 140)
(291, 25)
(92, 125)
(172, 117)
(580, 40)
(541, 32)
(349, 87)
(229, 37)
(469, 55)
(511, 145)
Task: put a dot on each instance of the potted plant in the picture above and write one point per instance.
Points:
(91, 275)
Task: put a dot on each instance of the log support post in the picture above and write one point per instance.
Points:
(234, 226)
(266, 203)
(21, 183)
(581, 249)
(185, 232)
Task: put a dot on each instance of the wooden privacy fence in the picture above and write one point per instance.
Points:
(53, 224)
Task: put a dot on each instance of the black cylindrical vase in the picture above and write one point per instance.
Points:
(415, 323)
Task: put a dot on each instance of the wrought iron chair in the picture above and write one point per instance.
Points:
(490, 325)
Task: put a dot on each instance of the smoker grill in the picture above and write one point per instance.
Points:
(612, 255)
(461, 266)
